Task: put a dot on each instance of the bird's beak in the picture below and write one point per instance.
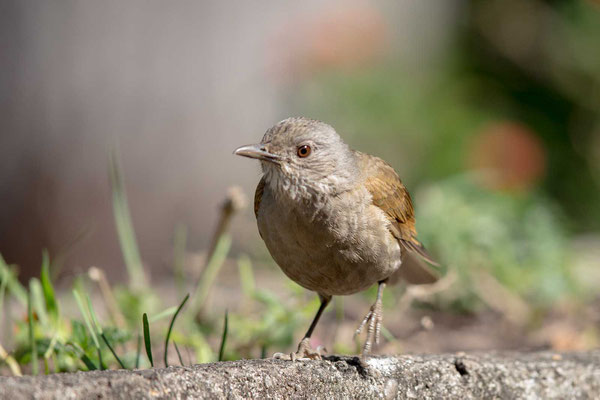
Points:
(256, 151)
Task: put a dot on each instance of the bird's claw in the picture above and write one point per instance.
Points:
(373, 321)
(304, 352)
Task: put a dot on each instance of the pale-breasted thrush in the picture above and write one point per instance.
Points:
(334, 219)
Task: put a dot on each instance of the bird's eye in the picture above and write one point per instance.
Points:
(304, 151)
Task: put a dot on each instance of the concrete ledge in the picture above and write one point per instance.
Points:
(542, 375)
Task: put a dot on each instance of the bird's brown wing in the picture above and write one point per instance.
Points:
(390, 195)
(260, 188)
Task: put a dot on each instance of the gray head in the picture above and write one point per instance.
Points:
(301, 153)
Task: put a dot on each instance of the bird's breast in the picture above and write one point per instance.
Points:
(335, 247)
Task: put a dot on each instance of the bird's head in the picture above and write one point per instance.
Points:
(301, 153)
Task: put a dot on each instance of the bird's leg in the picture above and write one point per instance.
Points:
(373, 321)
(304, 350)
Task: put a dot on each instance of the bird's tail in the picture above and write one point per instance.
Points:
(414, 269)
(415, 246)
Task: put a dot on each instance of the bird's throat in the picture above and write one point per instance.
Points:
(291, 187)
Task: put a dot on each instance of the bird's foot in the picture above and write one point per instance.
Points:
(305, 352)
(372, 321)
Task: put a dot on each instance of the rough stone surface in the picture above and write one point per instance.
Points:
(541, 375)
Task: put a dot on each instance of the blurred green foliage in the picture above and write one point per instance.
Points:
(532, 63)
(536, 63)
(520, 240)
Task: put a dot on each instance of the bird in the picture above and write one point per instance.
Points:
(335, 220)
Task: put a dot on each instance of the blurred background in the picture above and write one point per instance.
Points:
(488, 110)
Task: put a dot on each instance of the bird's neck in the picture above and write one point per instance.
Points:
(295, 188)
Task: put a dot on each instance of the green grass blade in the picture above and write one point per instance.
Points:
(100, 332)
(48, 289)
(102, 365)
(37, 298)
(86, 319)
(13, 365)
(178, 353)
(165, 313)
(92, 312)
(82, 356)
(138, 351)
(55, 364)
(51, 346)
(246, 275)
(13, 285)
(263, 351)
(32, 343)
(389, 336)
(123, 221)
(88, 363)
(211, 270)
(147, 342)
(224, 336)
(187, 296)
(46, 367)
(103, 336)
